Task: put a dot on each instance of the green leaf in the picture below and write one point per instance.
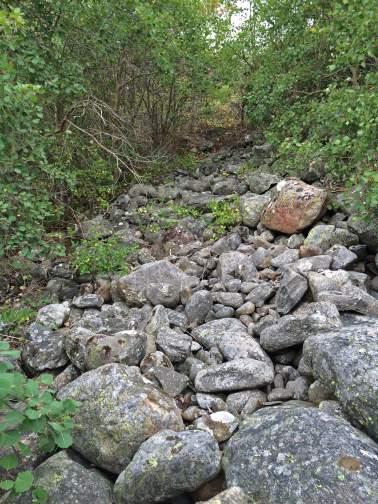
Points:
(32, 414)
(9, 462)
(6, 484)
(62, 439)
(24, 482)
(46, 379)
(40, 495)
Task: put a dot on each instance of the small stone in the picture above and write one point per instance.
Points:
(198, 307)
(210, 402)
(233, 495)
(246, 309)
(292, 288)
(232, 299)
(221, 424)
(88, 301)
(280, 394)
(44, 349)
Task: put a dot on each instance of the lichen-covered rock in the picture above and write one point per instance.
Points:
(366, 230)
(166, 465)
(53, 316)
(230, 336)
(44, 349)
(296, 206)
(302, 455)
(292, 330)
(345, 362)
(67, 480)
(174, 343)
(251, 207)
(119, 409)
(125, 347)
(237, 374)
(325, 236)
(88, 301)
(159, 282)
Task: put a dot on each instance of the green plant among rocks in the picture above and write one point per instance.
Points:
(92, 257)
(226, 215)
(28, 406)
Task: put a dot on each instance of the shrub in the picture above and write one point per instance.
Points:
(92, 257)
(28, 406)
(226, 215)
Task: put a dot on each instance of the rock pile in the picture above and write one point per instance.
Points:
(244, 366)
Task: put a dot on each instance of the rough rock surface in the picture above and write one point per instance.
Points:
(159, 282)
(296, 207)
(66, 480)
(168, 464)
(237, 374)
(345, 362)
(119, 410)
(297, 454)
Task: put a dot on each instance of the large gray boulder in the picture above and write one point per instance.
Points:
(159, 283)
(119, 409)
(345, 362)
(166, 465)
(302, 455)
(237, 374)
(69, 481)
(292, 330)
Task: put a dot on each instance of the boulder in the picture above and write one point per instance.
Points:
(53, 316)
(159, 282)
(325, 236)
(292, 330)
(251, 206)
(366, 230)
(167, 465)
(119, 409)
(44, 349)
(198, 307)
(260, 182)
(344, 361)
(297, 205)
(230, 336)
(174, 343)
(302, 455)
(88, 301)
(68, 480)
(237, 374)
(292, 288)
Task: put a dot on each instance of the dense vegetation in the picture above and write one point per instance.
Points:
(92, 91)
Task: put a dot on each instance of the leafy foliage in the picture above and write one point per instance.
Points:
(28, 406)
(313, 79)
(226, 215)
(92, 257)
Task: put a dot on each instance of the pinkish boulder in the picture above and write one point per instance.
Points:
(296, 206)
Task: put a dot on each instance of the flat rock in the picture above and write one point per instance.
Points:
(302, 455)
(237, 374)
(167, 465)
(297, 205)
(344, 361)
(325, 236)
(119, 409)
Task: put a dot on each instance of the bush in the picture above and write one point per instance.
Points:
(313, 87)
(92, 257)
(28, 406)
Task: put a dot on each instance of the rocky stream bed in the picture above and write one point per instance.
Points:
(242, 369)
